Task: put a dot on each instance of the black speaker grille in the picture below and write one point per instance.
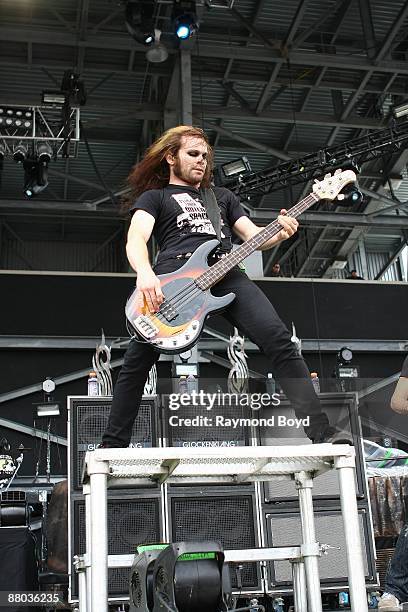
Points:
(229, 520)
(284, 529)
(342, 412)
(132, 521)
(207, 435)
(89, 417)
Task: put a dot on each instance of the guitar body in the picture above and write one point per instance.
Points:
(178, 323)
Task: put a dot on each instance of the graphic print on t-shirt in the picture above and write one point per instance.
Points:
(194, 216)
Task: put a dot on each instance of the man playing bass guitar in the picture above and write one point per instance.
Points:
(166, 201)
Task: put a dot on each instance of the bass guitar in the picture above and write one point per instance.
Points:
(188, 301)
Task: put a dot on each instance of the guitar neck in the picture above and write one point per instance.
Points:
(214, 274)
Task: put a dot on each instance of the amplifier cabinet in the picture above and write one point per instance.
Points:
(226, 514)
(342, 410)
(134, 517)
(283, 528)
(197, 426)
(87, 419)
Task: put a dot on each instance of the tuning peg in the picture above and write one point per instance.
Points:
(338, 171)
(341, 196)
(316, 180)
(328, 175)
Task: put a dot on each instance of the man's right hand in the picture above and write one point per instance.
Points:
(149, 290)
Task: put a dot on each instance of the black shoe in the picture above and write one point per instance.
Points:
(331, 435)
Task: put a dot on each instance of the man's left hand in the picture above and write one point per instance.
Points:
(289, 224)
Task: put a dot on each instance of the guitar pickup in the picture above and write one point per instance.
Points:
(146, 326)
(168, 312)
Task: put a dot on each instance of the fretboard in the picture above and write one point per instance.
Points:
(214, 274)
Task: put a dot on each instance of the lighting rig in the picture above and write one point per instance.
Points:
(34, 135)
(373, 145)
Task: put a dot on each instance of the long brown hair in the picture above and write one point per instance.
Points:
(153, 172)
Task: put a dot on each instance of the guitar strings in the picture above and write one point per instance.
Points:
(295, 210)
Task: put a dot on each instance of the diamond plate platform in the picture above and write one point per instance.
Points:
(134, 466)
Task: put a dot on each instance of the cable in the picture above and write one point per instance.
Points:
(98, 174)
(200, 80)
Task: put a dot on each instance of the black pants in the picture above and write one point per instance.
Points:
(253, 314)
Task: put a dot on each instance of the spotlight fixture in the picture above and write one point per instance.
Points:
(54, 98)
(139, 21)
(350, 195)
(344, 367)
(73, 88)
(44, 152)
(35, 176)
(184, 18)
(16, 118)
(230, 171)
(400, 110)
(157, 52)
(20, 153)
(47, 410)
(345, 355)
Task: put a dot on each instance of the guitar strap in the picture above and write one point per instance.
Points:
(212, 208)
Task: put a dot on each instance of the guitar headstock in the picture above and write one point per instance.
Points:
(330, 187)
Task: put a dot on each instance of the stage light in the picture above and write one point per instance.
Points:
(350, 195)
(47, 410)
(184, 18)
(56, 98)
(238, 166)
(400, 110)
(345, 355)
(157, 52)
(20, 153)
(230, 171)
(44, 152)
(191, 576)
(15, 118)
(139, 21)
(35, 177)
(345, 369)
(73, 88)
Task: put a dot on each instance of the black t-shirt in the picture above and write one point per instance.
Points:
(404, 369)
(182, 224)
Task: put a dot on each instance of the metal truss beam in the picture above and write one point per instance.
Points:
(280, 117)
(253, 30)
(208, 48)
(393, 258)
(392, 32)
(301, 38)
(218, 342)
(368, 27)
(31, 431)
(302, 170)
(241, 76)
(351, 220)
(247, 141)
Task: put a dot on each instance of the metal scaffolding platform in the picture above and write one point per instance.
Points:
(188, 466)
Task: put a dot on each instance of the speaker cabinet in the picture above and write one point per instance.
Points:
(133, 518)
(87, 419)
(342, 411)
(226, 514)
(196, 426)
(283, 528)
